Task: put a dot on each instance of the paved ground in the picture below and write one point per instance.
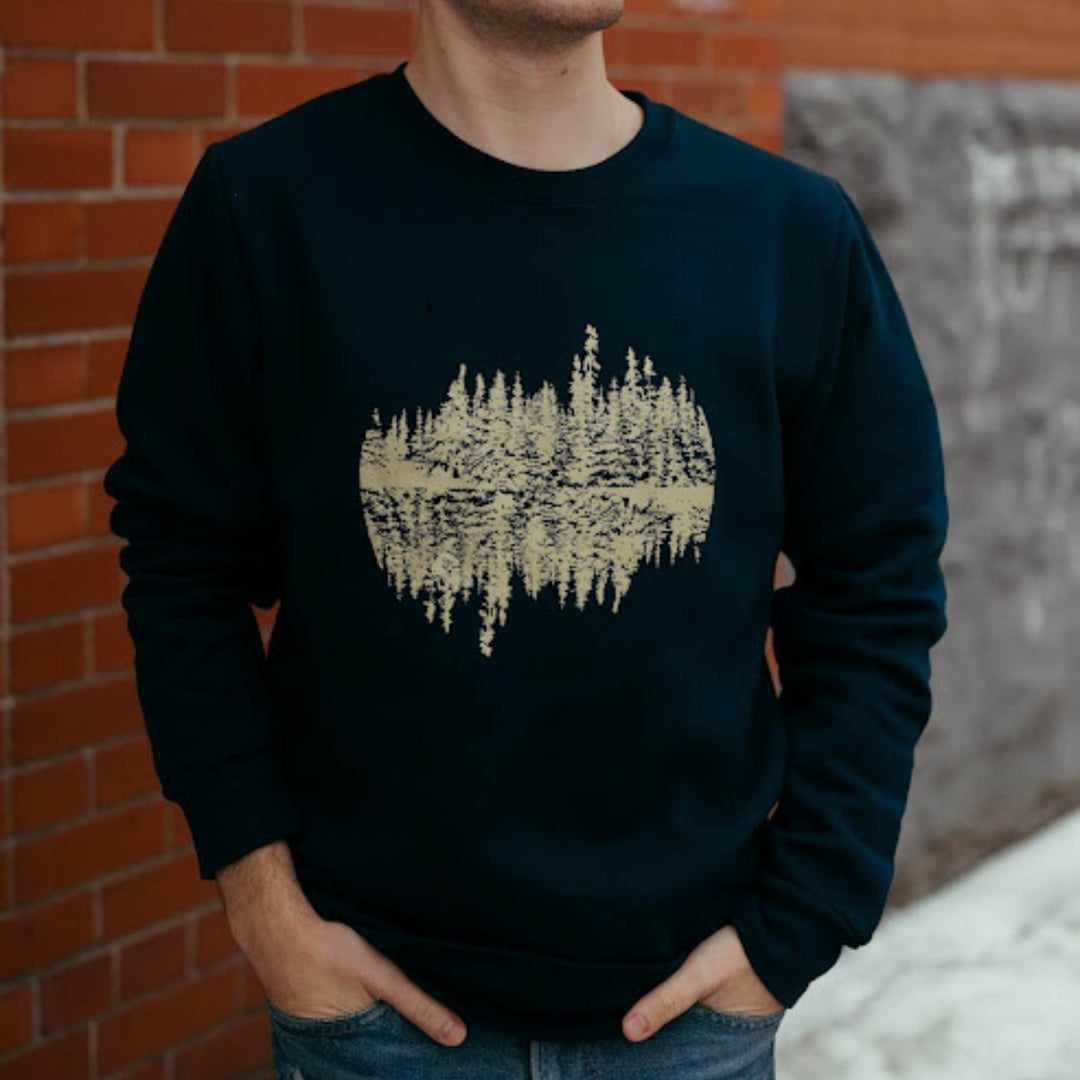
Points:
(980, 981)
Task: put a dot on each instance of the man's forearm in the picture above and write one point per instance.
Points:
(261, 893)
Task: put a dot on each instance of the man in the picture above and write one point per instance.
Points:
(511, 387)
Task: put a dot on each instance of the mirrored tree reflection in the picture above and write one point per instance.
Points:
(498, 485)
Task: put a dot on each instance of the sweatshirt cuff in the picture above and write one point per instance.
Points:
(788, 942)
(234, 815)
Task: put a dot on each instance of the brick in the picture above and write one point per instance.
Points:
(44, 446)
(130, 88)
(43, 374)
(78, 24)
(709, 98)
(153, 894)
(214, 940)
(113, 648)
(160, 155)
(124, 770)
(16, 1016)
(334, 30)
(45, 655)
(55, 584)
(921, 37)
(657, 46)
(57, 157)
(121, 228)
(259, 26)
(78, 853)
(237, 1050)
(754, 52)
(46, 515)
(48, 933)
(76, 992)
(70, 719)
(106, 361)
(765, 11)
(253, 993)
(50, 793)
(47, 301)
(765, 100)
(64, 1058)
(39, 88)
(153, 962)
(269, 89)
(41, 230)
(152, 1026)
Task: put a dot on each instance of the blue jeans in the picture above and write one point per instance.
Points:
(380, 1043)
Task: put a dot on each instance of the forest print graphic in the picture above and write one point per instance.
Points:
(500, 489)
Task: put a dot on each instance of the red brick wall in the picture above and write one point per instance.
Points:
(937, 37)
(115, 960)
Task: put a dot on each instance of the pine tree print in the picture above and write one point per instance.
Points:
(500, 489)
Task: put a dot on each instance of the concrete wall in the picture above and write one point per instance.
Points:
(972, 187)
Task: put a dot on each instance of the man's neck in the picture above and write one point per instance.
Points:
(549, 110)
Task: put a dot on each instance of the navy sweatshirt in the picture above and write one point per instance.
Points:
(517, 451)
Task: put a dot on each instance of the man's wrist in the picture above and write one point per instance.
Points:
(261, 894)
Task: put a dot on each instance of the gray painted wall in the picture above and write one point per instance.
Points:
(972, 190)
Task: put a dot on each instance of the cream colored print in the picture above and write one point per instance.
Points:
(501, 489)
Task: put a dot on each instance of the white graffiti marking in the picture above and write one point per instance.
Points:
(1026, 220)
(1026, 211)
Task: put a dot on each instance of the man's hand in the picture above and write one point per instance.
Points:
(717, 973)
(310, 966)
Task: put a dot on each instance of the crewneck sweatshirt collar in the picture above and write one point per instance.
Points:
(506, 179)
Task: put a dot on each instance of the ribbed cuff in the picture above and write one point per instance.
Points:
(788, 941)
(236, 813)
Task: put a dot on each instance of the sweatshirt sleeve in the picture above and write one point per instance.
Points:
(866, 520)
(194, 503)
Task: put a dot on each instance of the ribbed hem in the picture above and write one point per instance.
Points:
(522, 992)
(234, 816)
(789, 943)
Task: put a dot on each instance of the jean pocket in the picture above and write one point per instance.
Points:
(344, 1024)
(745, 1021)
